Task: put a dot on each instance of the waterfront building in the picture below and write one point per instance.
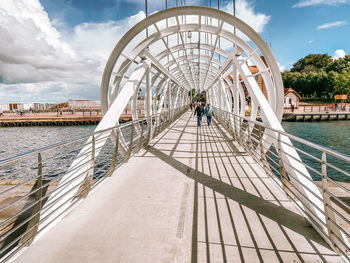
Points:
(291, 97)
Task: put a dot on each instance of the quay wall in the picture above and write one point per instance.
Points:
(68, 120)
(316, 116)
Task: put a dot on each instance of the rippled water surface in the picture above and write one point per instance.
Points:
(334, 135)
(16, 140)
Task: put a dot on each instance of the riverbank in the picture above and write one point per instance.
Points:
(50, 119)
(316, 116)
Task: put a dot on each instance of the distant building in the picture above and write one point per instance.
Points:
(291, 96)
(78, 105)
(23, 106)
(83, 104)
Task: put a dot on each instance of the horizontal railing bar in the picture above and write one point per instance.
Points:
(339, 214)
(34, 178)
(316, 146)
(48, 205)
(303, 184)
(43, 149)
(301, 162)
(339, 185)
(57, 191)
(339, 227)
(339, 200)
(47, 195)
(337, 169)
(305, 204)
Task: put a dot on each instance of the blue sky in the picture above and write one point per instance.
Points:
(291, 31)
(55, 50)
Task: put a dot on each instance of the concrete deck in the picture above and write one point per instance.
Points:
(190, 196)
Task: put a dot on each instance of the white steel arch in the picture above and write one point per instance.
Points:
(183, 46)
(176, 50)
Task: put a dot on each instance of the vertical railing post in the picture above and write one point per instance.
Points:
(263, 158)
(235, 124)
(33, 224)
(283, 172)
(155, 132)
(249, 141)
(128, 155)
(240, 129)
(334, 233)
(230, 127)
(141, 138)
(115, 156)
(85, 187)
(227, 121)
(149, 120)
(92, 162)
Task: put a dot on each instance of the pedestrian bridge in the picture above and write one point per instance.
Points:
(162, 189)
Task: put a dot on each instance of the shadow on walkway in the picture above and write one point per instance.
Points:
(212, 189)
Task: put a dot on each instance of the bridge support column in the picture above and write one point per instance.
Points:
(148, 99)
(220, 95)
(169, 98)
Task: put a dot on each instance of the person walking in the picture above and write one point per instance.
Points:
(199, 112)
(209, 112)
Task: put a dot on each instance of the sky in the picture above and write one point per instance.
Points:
(56, 50)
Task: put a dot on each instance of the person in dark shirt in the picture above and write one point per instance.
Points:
(199, 112)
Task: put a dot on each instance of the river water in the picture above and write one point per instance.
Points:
(16, 140)
(334, 135)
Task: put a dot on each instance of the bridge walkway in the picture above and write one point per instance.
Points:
(192, 195)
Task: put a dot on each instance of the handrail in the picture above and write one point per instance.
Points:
(52, 146)
(51, 198)
(295, 138)
(334, 224)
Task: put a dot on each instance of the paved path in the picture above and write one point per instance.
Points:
(190, 196)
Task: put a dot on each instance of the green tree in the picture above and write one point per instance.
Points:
(311, 84)
(341, 82)
(339, 65)
(312, 62)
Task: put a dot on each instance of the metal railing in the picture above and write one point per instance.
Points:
(325, 108)
(33, 194)
(324, 205)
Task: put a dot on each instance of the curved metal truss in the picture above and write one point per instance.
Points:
(172, 52)
(195, 48)
(177, 50)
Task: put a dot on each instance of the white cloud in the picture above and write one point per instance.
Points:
(37, 61)
(332, 24)
(281, 67)
(339, 53)
(245, 11)
(40, 63)
(160, 4)
(99, 39)
(310, 41)
(304, 3)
